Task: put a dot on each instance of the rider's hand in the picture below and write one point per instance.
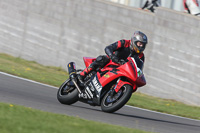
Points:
(115, 59)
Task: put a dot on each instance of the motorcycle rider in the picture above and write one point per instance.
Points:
(118, 52)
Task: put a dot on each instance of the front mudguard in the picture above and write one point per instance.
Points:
(121, 83)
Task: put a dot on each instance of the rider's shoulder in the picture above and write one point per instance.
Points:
(126, 42)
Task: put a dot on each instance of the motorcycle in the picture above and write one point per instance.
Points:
(109, 87)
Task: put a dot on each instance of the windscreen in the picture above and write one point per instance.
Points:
(139, 64)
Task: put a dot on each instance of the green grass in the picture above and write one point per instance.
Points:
(28, 69)
(164, 105)
(19, 119)
(56, 76)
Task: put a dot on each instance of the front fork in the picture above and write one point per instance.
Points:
(72, 74)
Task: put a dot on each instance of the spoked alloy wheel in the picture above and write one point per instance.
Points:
(113, 98)
(113, 101)
(67, 94)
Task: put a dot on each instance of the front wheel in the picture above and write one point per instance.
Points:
(113, 101)
(67, 93)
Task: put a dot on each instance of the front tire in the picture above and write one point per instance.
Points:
(113, 101)
(67, 94)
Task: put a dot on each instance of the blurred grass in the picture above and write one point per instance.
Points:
(19, 119)
(31, 70)
(164, 105)
(56, 76)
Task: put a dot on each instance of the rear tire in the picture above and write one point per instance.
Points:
(111, 103)
(67, 94)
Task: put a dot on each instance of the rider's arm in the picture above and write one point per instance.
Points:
(113, 47)
(141, 56)
(140, 62)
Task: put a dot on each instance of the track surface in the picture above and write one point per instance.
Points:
(43, 97)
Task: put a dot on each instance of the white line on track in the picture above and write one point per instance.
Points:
(125, 105)
(27, 80)
(162, 113)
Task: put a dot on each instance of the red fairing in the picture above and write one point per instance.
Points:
(88, 60)
(128, 70)
(141, 81)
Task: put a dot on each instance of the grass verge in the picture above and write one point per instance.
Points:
(56, 76)
(19, 119)
(31, 70)
(164, 105)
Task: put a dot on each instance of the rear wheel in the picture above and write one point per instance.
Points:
(113, 101)
(67, 94)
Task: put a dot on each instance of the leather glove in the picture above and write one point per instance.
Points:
(114, 59)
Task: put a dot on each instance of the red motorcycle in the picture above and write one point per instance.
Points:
(109, 87)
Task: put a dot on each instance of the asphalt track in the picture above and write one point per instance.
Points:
(43, 97)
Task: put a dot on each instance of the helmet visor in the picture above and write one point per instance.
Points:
(140, 44)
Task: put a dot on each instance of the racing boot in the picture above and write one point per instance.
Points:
(84, 73)
(98, 63)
